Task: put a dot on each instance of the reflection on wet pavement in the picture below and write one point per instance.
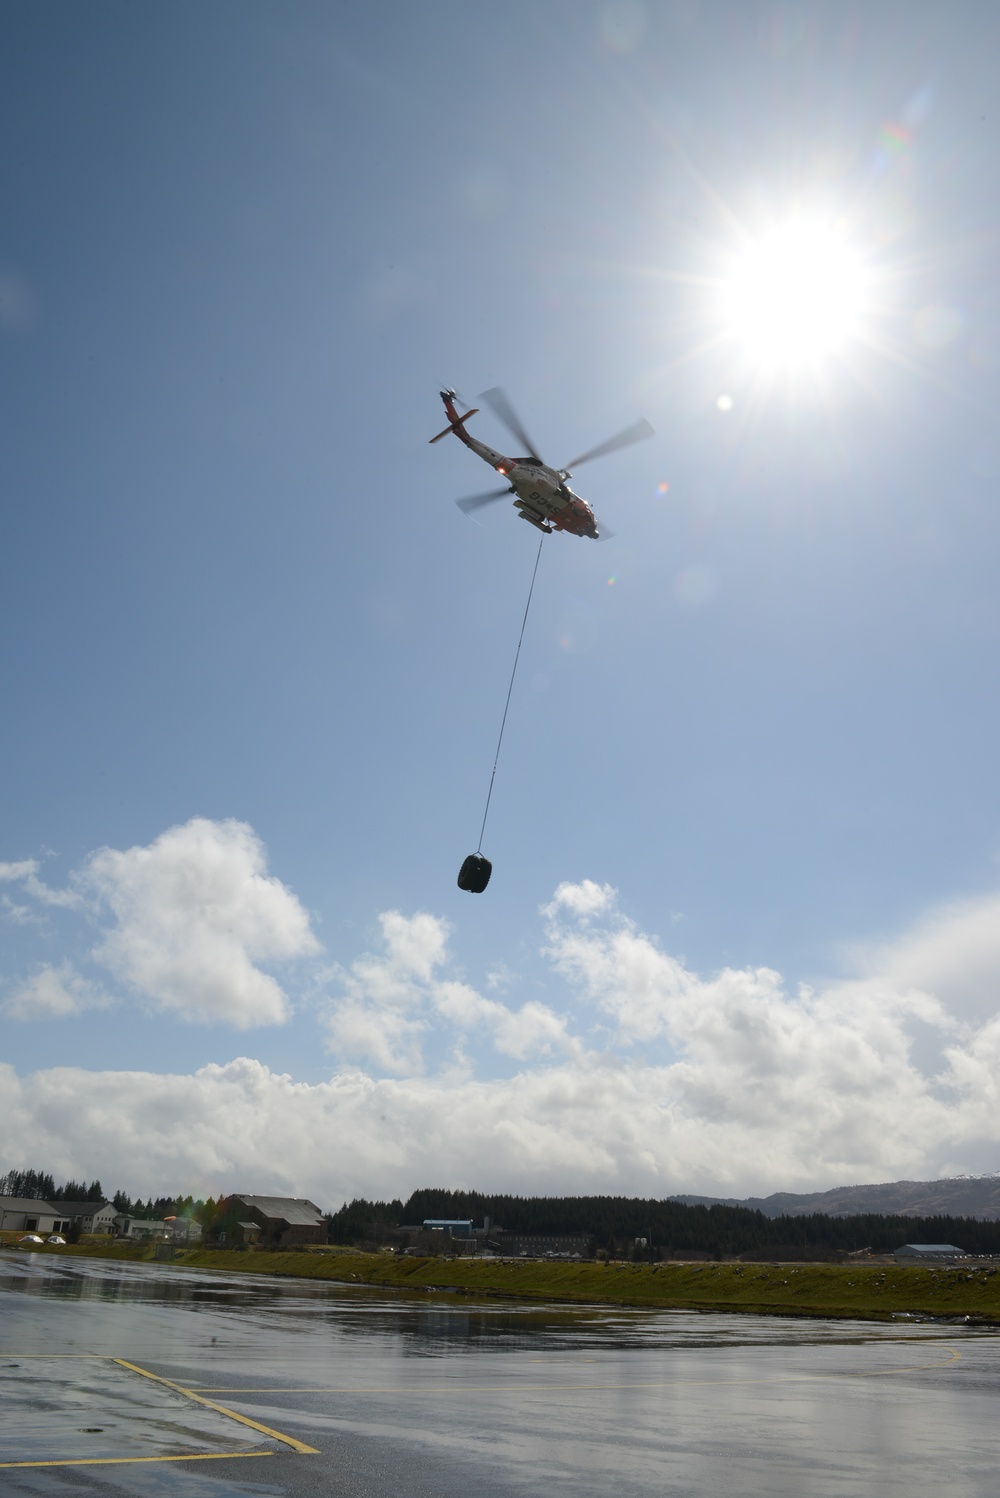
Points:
(67, 1408)
(428, 1394)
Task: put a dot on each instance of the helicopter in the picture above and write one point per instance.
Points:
(542, 495)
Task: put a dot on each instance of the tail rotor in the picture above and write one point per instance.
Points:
(455, 421)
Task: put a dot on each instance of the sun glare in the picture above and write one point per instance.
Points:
(794, 295)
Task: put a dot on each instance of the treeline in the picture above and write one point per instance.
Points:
(156, 1208)
(38, 1185)
(362, 1221)
(615, 1222)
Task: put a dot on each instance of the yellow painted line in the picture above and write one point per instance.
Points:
(117, 1461)
(276, 1435)
(956, 1357)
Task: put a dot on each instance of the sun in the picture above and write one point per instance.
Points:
(795, 294)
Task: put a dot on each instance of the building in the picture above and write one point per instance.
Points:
(929, 1253)
(141, 1228)
(178, 1230)
(446, 1235)
(24, 1214)
(28, 1215)
(284, 1221)
(438, 1235)
(183, 1230)
(93, 1217)
(541, 1245)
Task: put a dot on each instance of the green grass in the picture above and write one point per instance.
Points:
(866, 1290)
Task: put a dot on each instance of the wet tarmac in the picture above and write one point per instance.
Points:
(163, 1382)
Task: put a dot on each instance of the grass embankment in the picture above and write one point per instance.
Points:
(866, 1290)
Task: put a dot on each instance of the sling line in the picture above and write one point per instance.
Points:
(503, 724)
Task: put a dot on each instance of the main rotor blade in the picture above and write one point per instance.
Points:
(637, 432)
(476, 501)
(498, 403)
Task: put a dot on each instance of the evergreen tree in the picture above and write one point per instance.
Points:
(364, 1221)
(35, 1185)
(73, 1191)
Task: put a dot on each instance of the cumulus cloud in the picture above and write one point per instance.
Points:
(186, 922)
(514, 1032)
(194, 913)
(953, 953)
(655, 1079)
(390, 1001)
(583, 899)
(54, 993)
(229, 1125)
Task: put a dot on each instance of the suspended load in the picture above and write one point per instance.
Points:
(474, 875)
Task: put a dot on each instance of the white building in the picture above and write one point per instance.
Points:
(24, 1214)
(138, 1228)
(93, 1217)
(28, 1215)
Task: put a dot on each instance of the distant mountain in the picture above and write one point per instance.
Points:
(962, 1196)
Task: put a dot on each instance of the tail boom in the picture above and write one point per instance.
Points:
(456, 423)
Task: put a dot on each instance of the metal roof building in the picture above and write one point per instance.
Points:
(929, 1251)
(285, 1221)
(290, 1209)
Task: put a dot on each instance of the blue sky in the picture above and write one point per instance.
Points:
(254, 653)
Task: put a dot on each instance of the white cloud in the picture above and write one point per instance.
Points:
(390, 1002)
(954, 953)
(383, 1036)
(25, 873)
(515, 1032)
(583, 899)
(663, 1080)
(194, 913)
(54, 993)
(378, 1015)
(21, 915)
(414, 947)
(186, 922)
